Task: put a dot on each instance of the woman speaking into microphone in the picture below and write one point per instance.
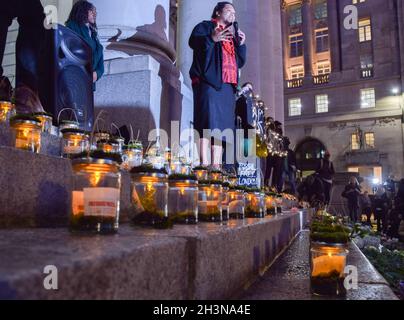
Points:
(219, 52)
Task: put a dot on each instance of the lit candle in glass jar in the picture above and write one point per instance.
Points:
(7, 110)
(28, 132)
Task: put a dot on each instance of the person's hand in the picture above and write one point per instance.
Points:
(224, 35)
(241, 34)
(95, 77)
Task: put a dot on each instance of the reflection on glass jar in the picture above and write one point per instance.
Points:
(278, 201)
(74, 141)
(46, 121)
(7, 110)
(27, 134)
(183, 201)
(255, 205)
(327, 264)
(216, 176)
(66, 124)
(210, 203)
(236, 204)
(149, 198)
(96, 196)
(270, 204)
(225, 204)
(201, 174)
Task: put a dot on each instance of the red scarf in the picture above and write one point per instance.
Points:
(229, 62)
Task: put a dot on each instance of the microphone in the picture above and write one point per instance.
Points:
(237, 39)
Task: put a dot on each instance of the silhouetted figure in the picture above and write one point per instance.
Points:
(31, 34)
(326, 173)
(352, 193)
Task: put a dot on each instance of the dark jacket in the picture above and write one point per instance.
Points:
(93, 42)
(207, 61)
(326, 169)
(244, 110)
(352, 193)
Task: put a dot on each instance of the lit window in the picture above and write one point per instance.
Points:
(295, 107)
(323, 67)
(322, 43)
(297, 72)
(296, 46)
(320, 11)
(355, 145)
(321, 103)
(370, 139)
(368, 99)
(366, 61)
(295, 15)
(357, 1)
(365, 30)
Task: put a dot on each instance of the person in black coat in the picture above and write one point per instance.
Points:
(312, 191)
(289, 166)
(352, 193)
(31, 35)
(326, 172)
(380, 207)
(219, 51)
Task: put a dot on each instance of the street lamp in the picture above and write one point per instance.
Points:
(395, 90)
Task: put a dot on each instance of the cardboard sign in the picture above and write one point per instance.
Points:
(247, 174)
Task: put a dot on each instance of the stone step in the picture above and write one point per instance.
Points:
(36, 190)
(204, 261)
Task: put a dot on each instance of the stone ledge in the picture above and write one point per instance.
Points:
(36, 190)
(206, 261)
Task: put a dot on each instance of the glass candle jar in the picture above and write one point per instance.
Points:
(225, 203)
(46, 121)
(96, 196)
(233, 181)
(255, 205)
(132, 156)
(28, 134)
(236, 204)
(278, 202)
(74, 141)
(216, 175)
(210, 202)
(150, 198)
(270, 204)
(183, 201)
(201, 174)
(327, 265)
(107, 146)
(118, 145)
(7, 110)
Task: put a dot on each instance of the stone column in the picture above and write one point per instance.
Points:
(250, 24)
(307, 13)
(285, 33)
(333, 30)
(141, 86)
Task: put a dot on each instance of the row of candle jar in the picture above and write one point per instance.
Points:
(203, 174)
(155, 198)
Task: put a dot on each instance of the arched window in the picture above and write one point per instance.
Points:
(309, 152)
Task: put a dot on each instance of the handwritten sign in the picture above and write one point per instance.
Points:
(247, 174)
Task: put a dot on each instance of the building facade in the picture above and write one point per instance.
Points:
(344, 76)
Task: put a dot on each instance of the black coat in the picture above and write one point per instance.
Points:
(207, 61)
(352, 193)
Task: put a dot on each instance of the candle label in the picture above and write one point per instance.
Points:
(101, 201)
